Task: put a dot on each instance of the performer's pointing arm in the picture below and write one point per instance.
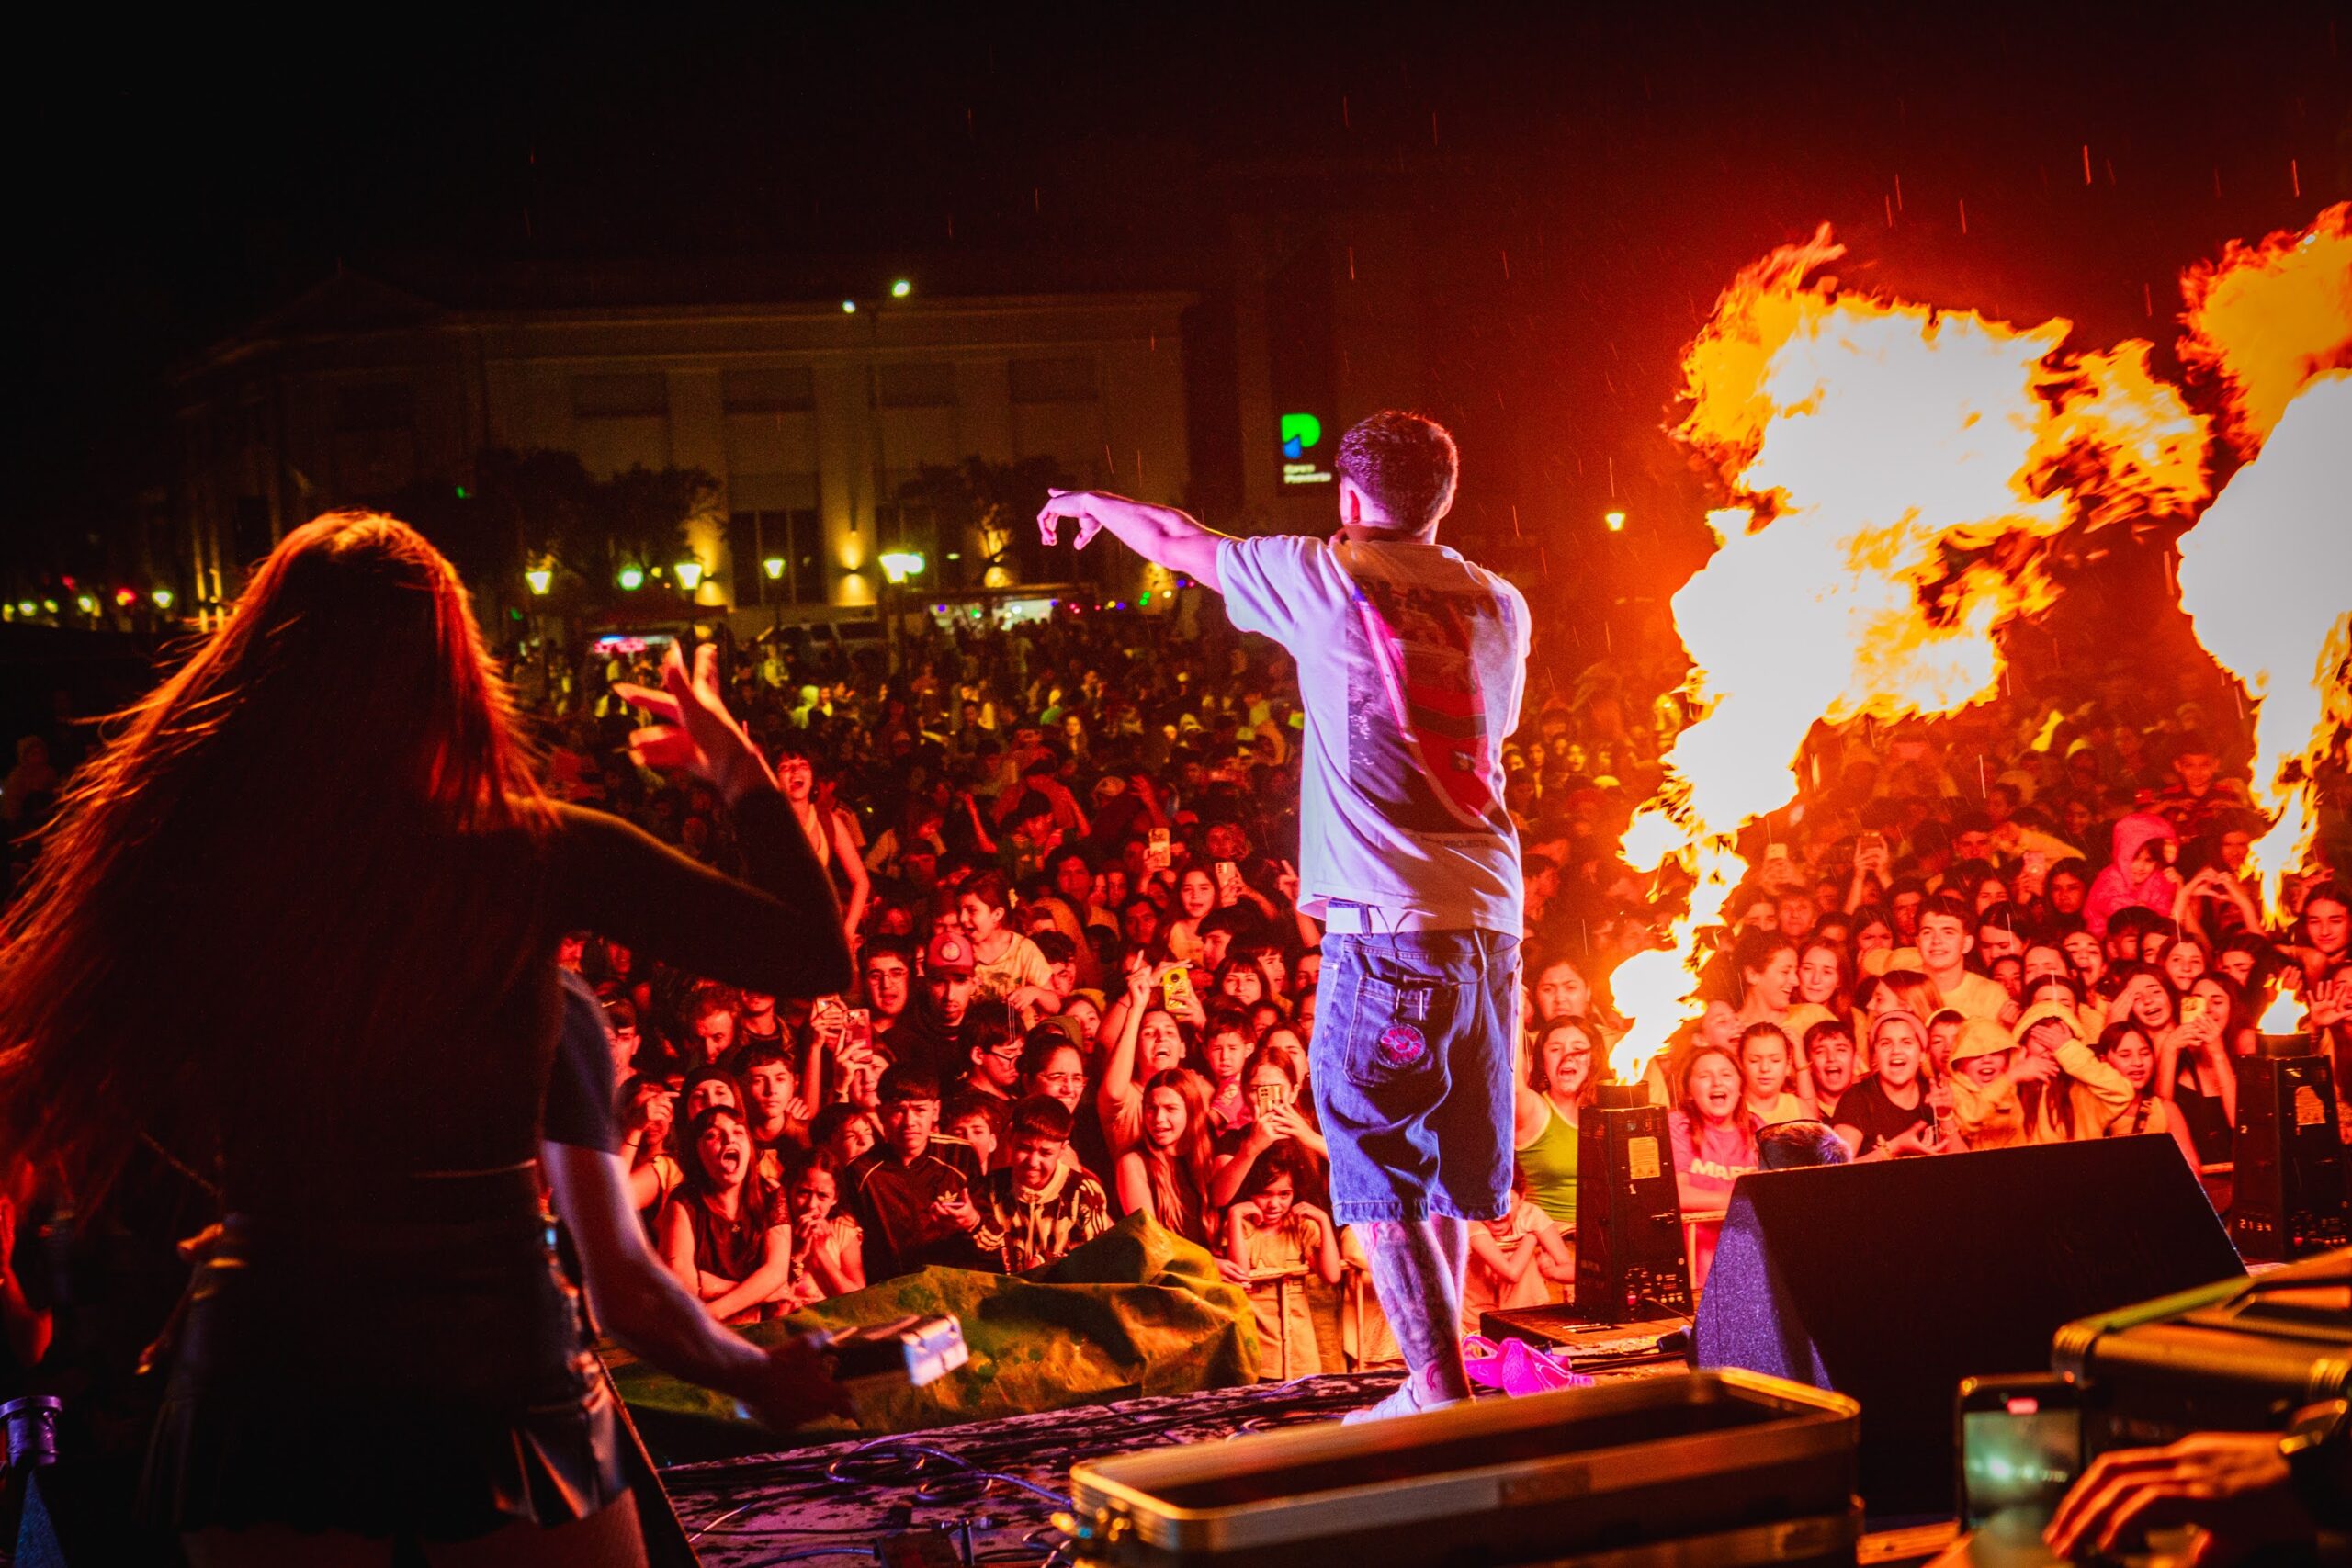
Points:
(1161, 534)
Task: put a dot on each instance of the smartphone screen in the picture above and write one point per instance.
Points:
(2020, 1449)
(1267, 1097)
(2192, 1008)
(1156, 856)
(1229, 880)
(861, 1029)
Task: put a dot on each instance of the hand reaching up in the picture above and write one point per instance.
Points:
(697, 733)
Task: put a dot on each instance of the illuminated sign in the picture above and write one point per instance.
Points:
(1301, 435)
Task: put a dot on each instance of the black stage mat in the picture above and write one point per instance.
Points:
(840, 1504)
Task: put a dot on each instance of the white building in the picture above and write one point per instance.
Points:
(808, 414)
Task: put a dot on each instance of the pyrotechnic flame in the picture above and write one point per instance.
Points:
(1898, 469)
(2265, 575)
(2267, 318)
(2283, 1016)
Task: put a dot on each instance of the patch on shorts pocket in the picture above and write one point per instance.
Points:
(1397, 1028)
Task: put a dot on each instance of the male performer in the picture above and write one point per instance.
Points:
(1411, 664)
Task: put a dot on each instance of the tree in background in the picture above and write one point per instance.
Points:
(986, 510)
(518, 510)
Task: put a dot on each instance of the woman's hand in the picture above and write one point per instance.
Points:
(797, 1387)
(697, 733)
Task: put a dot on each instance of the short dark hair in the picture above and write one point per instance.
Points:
(987, 1023)
(1828, 1029)
(1039, 1116)
(1951, 907)
(1406, 463)
(971, 1103)
(902, 1082)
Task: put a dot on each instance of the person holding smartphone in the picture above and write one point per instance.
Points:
(1412, 662)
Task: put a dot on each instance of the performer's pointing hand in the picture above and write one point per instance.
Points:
(1073, 503)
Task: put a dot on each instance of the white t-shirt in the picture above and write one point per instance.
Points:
(1411, 665)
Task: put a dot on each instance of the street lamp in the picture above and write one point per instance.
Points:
(541, 578)
(1616, 521)
(631, 578)
(689, 574)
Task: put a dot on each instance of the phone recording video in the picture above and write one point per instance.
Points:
(2020, 1449)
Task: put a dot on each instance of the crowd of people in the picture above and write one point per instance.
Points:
(1065, 857)
(1065, 852)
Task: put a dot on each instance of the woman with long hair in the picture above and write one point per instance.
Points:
(1889, 1113)
(831, 834)
(1167, 1175)
(1004, 960)
(295, 927)
(727, 1234)
(1714, 1139)
(1563, 1071)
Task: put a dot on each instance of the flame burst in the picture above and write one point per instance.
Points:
(2265, 575)
(1898, 470)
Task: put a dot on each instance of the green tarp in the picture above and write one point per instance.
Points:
(1135, 1312)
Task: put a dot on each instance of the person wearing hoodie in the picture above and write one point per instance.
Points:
(2141, 874)
(1985, 1108)
(2067, 1090)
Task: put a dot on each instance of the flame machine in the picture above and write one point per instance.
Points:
(1630, 1259)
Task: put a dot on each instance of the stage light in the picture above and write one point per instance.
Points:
(48, 606)
(848, 307)
(901, 288)
(87, 603)
(540, 579)
(689, 574)
(632, 578)
(126, 597)
(899, 565)
(163, 597)
(774, 567)
(26, 608)
(1616, 521)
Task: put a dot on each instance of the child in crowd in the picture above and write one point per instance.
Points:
(1275, 1242)
(1519, 1260)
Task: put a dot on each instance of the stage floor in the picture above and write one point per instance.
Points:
(973, 1484)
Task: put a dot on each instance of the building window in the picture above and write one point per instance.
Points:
(791, 390)
(375, 405)
(1053, 381)
(917, 385)
(796, 536)
(620, 397)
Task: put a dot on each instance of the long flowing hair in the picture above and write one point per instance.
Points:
(1179, 1176)
(236, 884)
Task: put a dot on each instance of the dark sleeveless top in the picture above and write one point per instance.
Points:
(383, 1344)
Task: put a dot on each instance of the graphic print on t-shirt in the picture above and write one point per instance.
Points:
(1418, 740)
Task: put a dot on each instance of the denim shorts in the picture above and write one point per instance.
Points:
(1411, 1062)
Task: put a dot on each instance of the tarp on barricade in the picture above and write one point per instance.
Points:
(1137, 1311)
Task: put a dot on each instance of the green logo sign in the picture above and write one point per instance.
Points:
(1300, 430)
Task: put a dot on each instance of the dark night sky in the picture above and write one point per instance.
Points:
(171, 186)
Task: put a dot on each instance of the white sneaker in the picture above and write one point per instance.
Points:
(1401, 1401)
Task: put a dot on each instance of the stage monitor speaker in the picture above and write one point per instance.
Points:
(2287, 1199)
(1892, 1280)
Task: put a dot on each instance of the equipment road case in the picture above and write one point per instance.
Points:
(1707, 1470)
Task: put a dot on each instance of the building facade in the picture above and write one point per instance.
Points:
(810, 416)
